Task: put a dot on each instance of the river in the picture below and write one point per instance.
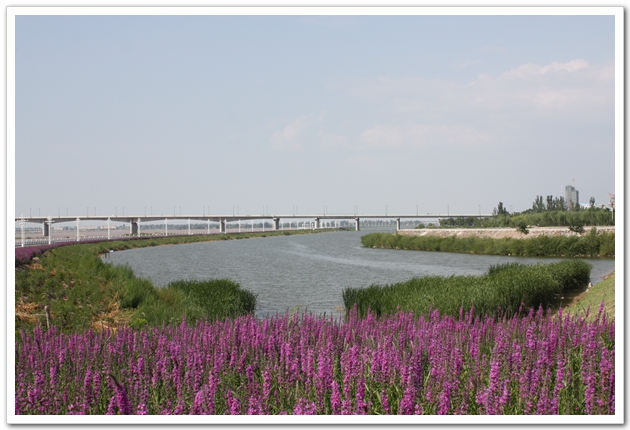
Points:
(309, 272)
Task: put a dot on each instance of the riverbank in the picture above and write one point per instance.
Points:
(502, 233)
(24, 254)
(591, 300)
(70, 287)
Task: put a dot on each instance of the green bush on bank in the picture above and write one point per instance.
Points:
(593, 244)
(504, 289)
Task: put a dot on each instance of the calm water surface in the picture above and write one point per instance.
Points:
(308, 271)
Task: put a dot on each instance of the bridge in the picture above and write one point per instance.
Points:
(135, 221)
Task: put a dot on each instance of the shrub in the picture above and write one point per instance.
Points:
(521, 227)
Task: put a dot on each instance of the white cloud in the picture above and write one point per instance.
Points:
(291, 137)
(417, 112)
(288, 137)
(531, 69)
(572, 91)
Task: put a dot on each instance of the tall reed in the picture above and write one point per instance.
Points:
(504, 290)
(593, 244)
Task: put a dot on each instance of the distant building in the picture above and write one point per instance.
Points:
(571, 196)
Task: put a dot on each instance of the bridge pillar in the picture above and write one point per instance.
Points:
(133, 228)
(22, 222)
(276, 223)
(397, 224)
(48, 226)
(316, 223)
(222, 227)
(356, 220)
(45, 229)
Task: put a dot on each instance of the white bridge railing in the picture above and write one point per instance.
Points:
(232, 228)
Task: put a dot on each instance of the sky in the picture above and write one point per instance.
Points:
(226, 114)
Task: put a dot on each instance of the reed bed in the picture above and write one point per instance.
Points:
(507, 289)
(398, 364)
(593, 244)
(216, 298)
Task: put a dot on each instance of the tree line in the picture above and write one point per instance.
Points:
(549, 212)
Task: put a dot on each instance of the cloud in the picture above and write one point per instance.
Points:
(287, 139)
(573, 90)
(423, 135)
(531, 69)
(290, 138)
(502, 110)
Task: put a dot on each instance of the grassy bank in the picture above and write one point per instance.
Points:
(24, 254)
(502, 290)
(593, 244)
(590, 301)
(79, 291)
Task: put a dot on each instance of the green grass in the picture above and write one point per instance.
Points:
(591, 300)
(216, 298)
(593, 244)
(81, 291)
(502, 290)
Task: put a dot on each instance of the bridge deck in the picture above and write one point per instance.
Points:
(231, 218)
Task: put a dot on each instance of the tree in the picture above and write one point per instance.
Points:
(499, 210)
(577, 228)
(556, 204)
(549, 203)
(591, 203)
(538, 205)
(521, 227)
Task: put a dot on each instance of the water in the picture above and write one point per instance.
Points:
(308, 271)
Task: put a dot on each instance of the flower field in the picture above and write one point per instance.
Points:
(395, 364)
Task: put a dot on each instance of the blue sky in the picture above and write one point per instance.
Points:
(307, 111)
